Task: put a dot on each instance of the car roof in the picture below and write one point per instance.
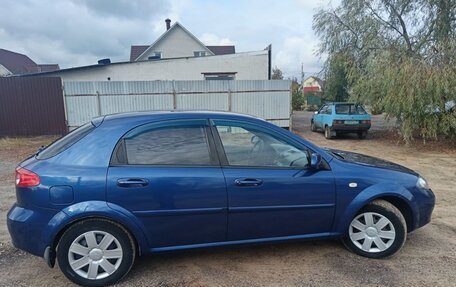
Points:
(177, 114)
(339, 103)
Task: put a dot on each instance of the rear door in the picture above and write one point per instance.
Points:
(168, 175)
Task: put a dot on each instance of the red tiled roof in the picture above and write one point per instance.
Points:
(222, 50)
(311, 89)
(137, 50)
(17, 63)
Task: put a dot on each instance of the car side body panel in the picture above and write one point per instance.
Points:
(74, 186)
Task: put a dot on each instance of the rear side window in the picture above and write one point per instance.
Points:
(65, 142)
(173, 145)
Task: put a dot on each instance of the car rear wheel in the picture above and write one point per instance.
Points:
(95, 252)
(328, 133)
(362, 135)
(377, 231)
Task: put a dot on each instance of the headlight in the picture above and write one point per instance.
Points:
(422, 184)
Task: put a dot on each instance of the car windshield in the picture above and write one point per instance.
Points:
(349, 109)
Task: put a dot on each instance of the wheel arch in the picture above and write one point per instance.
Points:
(400, 197)
(90, 210)
(403, 207)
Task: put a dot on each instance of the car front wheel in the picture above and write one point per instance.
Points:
(313, 127)
(95, 252)
(377, 231)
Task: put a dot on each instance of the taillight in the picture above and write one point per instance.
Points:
(26, 178)
(338, 122)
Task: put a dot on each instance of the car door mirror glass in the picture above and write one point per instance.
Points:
(316, 112)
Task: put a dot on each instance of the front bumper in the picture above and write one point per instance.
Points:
(425, 207)
(26, 227)
(350, 128)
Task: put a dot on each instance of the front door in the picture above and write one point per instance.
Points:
(169, 177)
(271, 190)
(318, 121)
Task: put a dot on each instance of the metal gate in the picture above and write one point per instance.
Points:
(31, 106)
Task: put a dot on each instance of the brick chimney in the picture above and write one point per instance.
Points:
(168, 24)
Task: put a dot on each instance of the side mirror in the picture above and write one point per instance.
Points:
(254, 139)
(316, 112)
(315, 161)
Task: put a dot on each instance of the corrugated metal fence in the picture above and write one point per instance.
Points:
(31, 106)
(270, 100)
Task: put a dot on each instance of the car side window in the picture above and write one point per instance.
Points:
(329, 110)
(323, 109)
(248, 146)
(167, 145)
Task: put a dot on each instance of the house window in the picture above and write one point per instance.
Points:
(219, 76)
(155, 55)
(199, 53)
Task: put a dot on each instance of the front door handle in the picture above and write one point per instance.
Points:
(248, 182)
(132, 182)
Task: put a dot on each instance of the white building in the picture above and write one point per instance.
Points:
(176, 55)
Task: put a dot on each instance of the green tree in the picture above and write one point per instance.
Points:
(297, 97)
(403, 58)
(276, 74)
(336, 86)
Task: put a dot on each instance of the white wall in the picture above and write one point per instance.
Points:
(177, 43)
(247, 66)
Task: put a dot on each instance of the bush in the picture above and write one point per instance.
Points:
(297, 99)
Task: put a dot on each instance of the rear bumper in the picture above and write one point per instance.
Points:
(26, 227)
(350, 128)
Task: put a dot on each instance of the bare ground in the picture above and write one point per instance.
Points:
(427, 259)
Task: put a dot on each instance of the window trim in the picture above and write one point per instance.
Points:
(224, 159)
(120, 145)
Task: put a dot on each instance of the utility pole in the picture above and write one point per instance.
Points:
(302, 73)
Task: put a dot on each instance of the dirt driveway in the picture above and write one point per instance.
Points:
(427, 259)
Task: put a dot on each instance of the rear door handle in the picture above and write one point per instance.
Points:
(132, 182)
(248, 182)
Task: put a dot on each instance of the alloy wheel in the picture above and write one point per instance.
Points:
(95, 255)
(372, 232)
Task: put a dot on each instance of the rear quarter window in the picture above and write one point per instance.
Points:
(65, 142)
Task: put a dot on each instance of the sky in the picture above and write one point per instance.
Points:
(80, 32)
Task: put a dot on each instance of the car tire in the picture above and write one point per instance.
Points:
(362, 135)
(379, 230)
(328, 133)
(96, 252)
(312, 127)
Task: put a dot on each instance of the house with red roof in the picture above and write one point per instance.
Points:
(12, 63)
(176, 55)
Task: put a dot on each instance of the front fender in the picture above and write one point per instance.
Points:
(367, 195)
(90, 209)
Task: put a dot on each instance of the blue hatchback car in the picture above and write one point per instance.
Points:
(341, 117)
(133, 184)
